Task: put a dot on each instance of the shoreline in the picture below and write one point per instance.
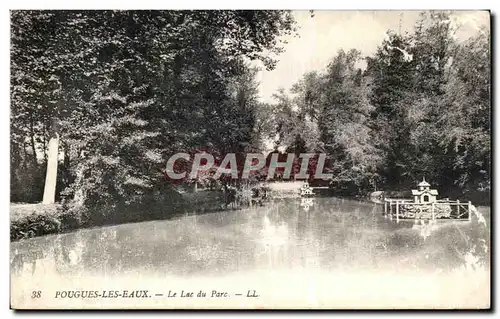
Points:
(35, 220)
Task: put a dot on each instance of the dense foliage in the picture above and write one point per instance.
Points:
(420, 108)
(124, 90)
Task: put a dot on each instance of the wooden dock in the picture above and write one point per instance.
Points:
(440, 209)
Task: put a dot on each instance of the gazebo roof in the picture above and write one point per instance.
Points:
(430, 191)
(423, 183)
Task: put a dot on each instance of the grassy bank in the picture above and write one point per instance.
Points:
(31, 220)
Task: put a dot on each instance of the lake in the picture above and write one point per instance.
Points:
(327, 253)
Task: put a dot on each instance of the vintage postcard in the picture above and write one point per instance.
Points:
(250, 159)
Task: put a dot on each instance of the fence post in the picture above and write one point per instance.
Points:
(458, 208)
(385, 206)
(390, 206)
(433, 211)
(397, 211)
(470, 211)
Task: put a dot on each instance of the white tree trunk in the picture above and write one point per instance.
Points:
(49, 193)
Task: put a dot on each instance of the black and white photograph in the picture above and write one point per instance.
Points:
(250, 159)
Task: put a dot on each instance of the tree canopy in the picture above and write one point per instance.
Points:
(125, 90)
(420, 108)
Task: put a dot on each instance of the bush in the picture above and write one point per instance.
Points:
(34, 225)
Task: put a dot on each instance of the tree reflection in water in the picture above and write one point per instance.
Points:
(331, 234)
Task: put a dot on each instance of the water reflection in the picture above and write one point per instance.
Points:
(306, 203)
(322, 234)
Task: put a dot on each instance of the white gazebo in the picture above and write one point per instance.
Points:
(424, 194)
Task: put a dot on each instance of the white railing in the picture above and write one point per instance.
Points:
(398, 203)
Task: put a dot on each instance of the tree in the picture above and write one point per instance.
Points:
(416, 92)
(464, 116)
(335, 105)
(128, 89)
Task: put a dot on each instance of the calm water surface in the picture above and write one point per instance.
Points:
(326, 236)
(331, 233)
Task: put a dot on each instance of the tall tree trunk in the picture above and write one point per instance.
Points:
(49, 193)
